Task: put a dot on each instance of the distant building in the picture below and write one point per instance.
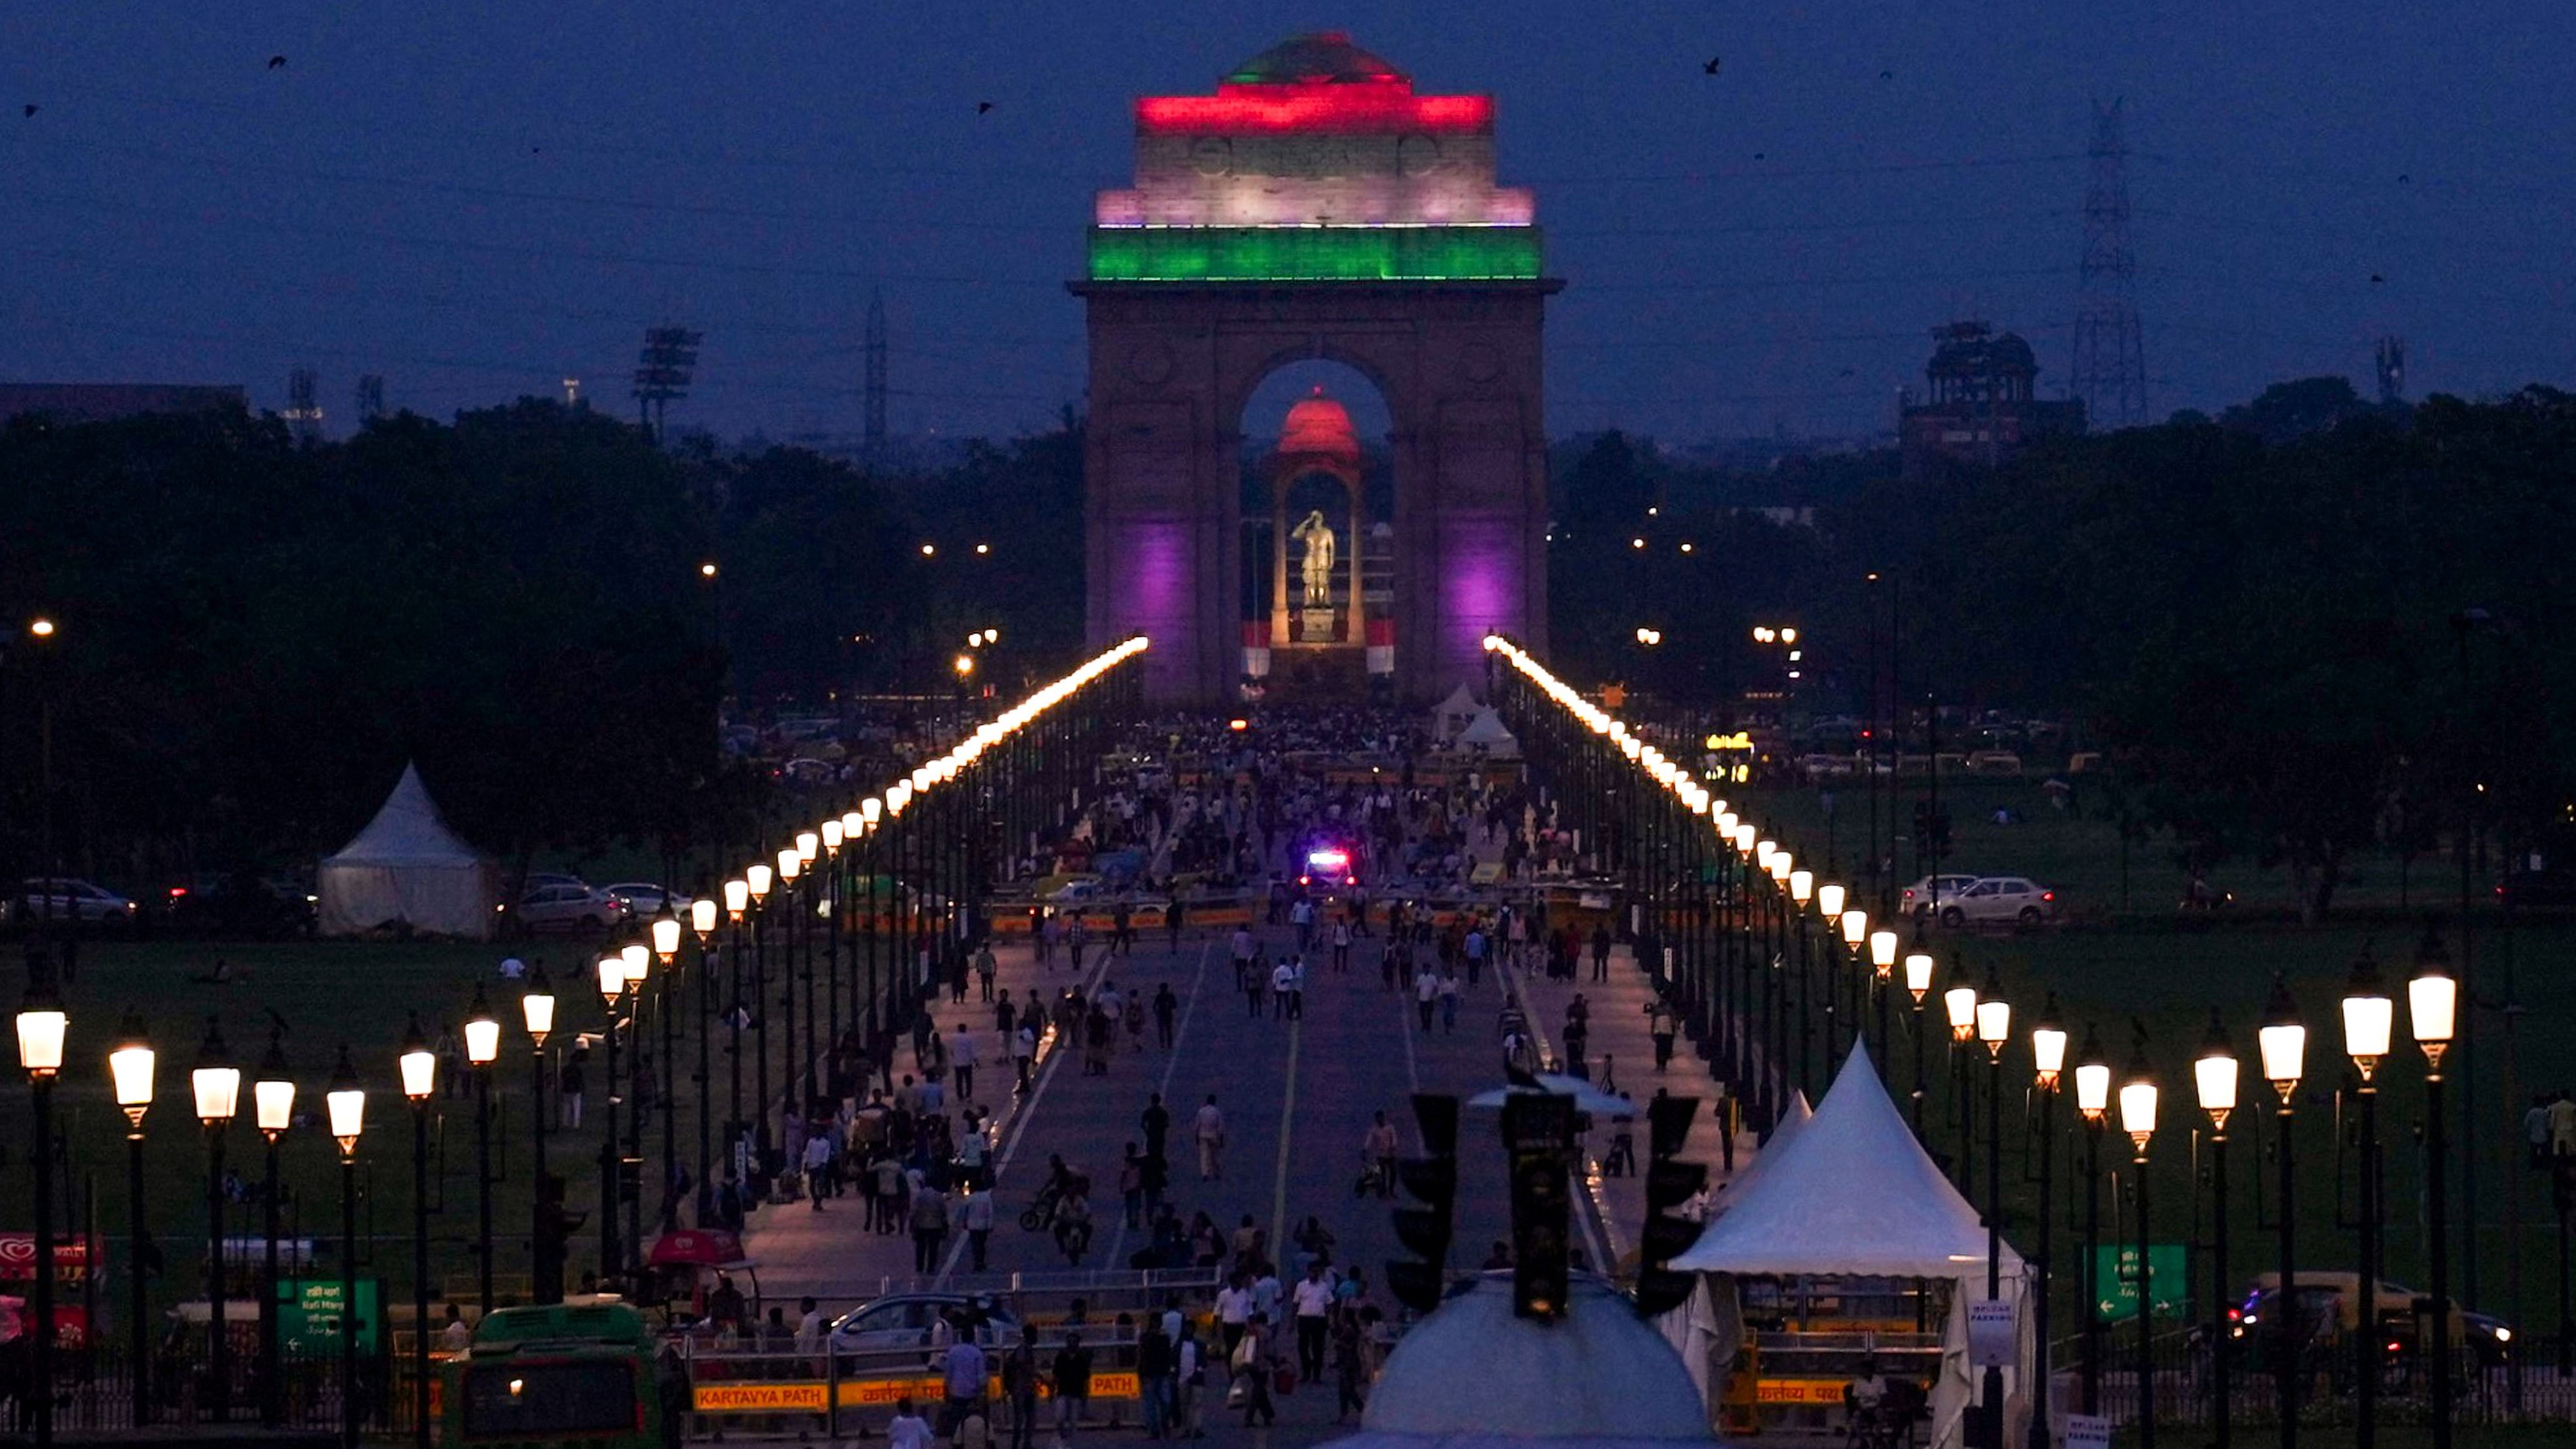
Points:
(96, 402)
(1981, 409)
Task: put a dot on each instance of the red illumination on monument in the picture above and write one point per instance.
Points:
(1338, 108)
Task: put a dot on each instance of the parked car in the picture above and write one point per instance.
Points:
(538, 878)
(643, 899)
(2327, 1296)
(242, 905)
(905, 1320)
(1916, 899)
(576, 908)
(64, 900)
(2537, 890)
(2000, 899)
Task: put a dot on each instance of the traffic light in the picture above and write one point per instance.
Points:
(1669, 1184)
(1538, 1131)
(1432, 1180)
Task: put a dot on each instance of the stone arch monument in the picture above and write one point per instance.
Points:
(1314, 207)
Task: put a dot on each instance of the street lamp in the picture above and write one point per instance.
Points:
(1960, 1001)
(129, 1071)
(1882, 975)
(482, 1049)
(704, 915)
(419, 1078)
(2048, 1064)
(537, 1011)
(2138, 1119)
(346, 1104)
(2432, 1010)
(272, 1100)
(2283, 1044)
(216, 1083)
(2369, 1018)
(1994, 1028)
(612, 986)
(2214, 1074)
(2093, 1104)
(41, 1024)
(1918, 984)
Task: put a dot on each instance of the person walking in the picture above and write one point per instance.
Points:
(1172, 916)
(1377, 1147)
(1024, 1051)
(1156, 1122)
(1209, 1132)
(1313, 1301)
(1154, 1377)
(929, 1226)
(1474, 949)
(569, 1084)
(987, 966)
(1167, 1008)
(961, 1368)
(818, 1167)
(962, 1052)
(1071, 1380)
(1663, 1025)
(1245, 951)
(1426, 994)
(1253, 1362)
(1601, 952)
(1350, 1365)
(1449, 1001)
(1341, 947)
(975, 1216)
(1020, 1387)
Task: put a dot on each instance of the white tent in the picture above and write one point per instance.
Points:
(1453, 714)
(1853, 1195)
(1487, 729)
(408, 869)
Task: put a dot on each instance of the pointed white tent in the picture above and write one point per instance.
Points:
(1487, 729)
(407, 869)
(1853, 1195)
(1793, 1121)
(1453, 714)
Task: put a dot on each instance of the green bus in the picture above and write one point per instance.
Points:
(557, 1374)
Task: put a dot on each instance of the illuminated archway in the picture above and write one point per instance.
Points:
(1315, 207)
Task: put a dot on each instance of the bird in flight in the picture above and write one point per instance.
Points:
(2376, 279)
(1887, 75)
(982, 106)
(277, 62)
(1709, 66)
(31, 109)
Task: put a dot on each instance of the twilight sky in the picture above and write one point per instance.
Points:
(477, 198)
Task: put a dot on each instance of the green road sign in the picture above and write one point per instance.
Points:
(2116, 1275)
(308, 1315)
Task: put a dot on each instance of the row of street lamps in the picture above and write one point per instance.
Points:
(1774, 886)
(215, 1083)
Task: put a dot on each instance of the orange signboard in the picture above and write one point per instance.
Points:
(1799, 1391)
(780, 1397)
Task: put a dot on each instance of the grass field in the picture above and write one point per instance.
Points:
(329, 993)
(2150, 967)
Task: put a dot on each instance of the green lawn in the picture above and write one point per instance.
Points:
(2152, 968)
(329, 993)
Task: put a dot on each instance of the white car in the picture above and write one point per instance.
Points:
(569, 908)
(1918, 898)
(62, 900)
(643, 899)
(2001, 899)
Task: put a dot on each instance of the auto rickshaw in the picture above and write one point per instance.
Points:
(684, 1267)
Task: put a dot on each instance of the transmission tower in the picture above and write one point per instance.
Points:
(303, 413)
(875, 401)
(2391, 361)
(2110, 369)
(663, 371)
(371, 398)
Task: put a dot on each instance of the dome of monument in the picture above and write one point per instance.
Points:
(1473, 1372)
(1323, 57)
(1318, 425)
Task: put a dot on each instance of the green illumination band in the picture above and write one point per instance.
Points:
(1315, 254)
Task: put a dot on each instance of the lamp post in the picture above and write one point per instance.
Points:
(2214, 1075)
(1918, 984)
(2093, 1104)
(346, 1102)
(666, 949)
(2138, 1119)
(2283, 1044)
(756, 881)
(2369, 1017)
(537, 1010)
(638, 961)
(612, 985)
(703, 914)
(419, 1068)
(41, 1024)
(1801, 884)
(2048, 1063)
(482, 1049)
(216, 1083)
(129, 1071)
(1853, 927)
(737, 895)
(2432, 1010)
(1882, 980)
(793, 1085)
(1960, 1001)
(1994, 1028)
(272, 1100)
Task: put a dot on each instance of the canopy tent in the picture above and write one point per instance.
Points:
(1853, 1195)
(407, 870)
(1453, 714)
(1587, 1097)
(1793, 1121)
(1486, 730)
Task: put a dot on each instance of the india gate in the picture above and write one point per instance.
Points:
(1315, 207)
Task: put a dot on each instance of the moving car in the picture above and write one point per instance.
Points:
(644, 899)
(907, 1320)
(2000, 900)
(239, 905)
(577, 908)
(2327, 1318)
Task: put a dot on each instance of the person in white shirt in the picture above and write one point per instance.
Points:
(1283, 990)
(1233, 1311)
(1209, 1130)
(818, 1167)
(1426, 994)
(961, 1060)
(908, 1429)
(1314, 1304)
(975, 1215)
(455, 1337)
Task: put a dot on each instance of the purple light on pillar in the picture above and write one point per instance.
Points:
(1151, 592)
(1480, 592)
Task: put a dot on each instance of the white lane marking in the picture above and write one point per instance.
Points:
(1180, 1035)
(1287, 1121)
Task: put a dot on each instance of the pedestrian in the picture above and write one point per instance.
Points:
(1377, 1148)
(907, 1430)
(1245, 951)
(1020, 1387)
(1390, 961)
(975, 1216)
(817, 1163)
(1073, 1225)
(1172, 915)
(1252, 1368)
(1313, 1302)
(1131, 1187)
(1156, 1120)
(1601, 951)
(962, 1052)
(1072, 1384)
(1342, 946)
(929, 1226)
(1154, 1376)
(1350, 1365)
(1662, 1024)
(1448, 1001)
(1189, 1380)
(962, 1368)
(1024, 1052)
(569, 1084)
(1209, 1132)
(987, 966)
(1167, 1008)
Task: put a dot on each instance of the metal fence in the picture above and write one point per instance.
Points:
(2185, 1382)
